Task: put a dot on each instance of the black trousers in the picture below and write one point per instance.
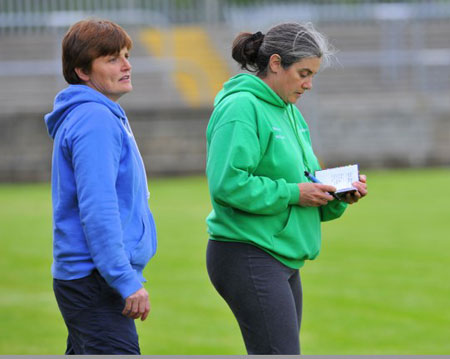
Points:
(92, 311)
(264, 295)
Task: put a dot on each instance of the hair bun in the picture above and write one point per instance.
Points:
(245, 49)
(257, 36)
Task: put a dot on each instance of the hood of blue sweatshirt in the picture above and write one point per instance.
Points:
(73, 96)
(252, 84)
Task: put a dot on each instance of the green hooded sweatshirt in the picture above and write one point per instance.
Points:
(258, 148)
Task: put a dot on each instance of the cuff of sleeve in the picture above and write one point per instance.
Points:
(294, 193)
(128, 286)
(333, 210)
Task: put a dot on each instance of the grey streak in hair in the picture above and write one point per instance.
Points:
(292, 41)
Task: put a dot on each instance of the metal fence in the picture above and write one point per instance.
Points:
(44, 15)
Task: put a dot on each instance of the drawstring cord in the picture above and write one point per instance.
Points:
(294, 126)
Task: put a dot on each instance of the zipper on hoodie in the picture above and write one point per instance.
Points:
(126, 125)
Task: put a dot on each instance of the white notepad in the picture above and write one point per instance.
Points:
(339, 177)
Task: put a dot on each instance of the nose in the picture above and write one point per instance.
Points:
(126, 64)
(307, 85)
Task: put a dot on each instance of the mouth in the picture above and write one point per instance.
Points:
(125, 78)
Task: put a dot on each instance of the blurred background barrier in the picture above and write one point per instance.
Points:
(384, 103)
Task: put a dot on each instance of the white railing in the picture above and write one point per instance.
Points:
(268, 11)
(39, 15)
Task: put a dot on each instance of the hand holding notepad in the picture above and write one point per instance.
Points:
(340, 177)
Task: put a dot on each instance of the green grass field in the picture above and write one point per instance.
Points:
(380, 285)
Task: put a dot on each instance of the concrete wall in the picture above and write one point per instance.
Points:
(25, 148)
(391, 131)
(394, 129)
(172, 142)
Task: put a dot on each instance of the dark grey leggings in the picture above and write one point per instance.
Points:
(264, 295)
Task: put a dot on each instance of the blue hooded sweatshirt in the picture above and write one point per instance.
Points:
(101, 218)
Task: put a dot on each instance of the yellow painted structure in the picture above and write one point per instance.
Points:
(199, 70)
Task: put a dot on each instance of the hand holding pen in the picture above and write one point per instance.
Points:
(315, 180)
(351, 197)
(315, 194)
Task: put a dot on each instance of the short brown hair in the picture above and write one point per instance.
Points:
(87, 40)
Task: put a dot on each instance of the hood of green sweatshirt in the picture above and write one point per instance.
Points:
(252, 84)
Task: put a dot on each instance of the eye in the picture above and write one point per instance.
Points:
(304, 75)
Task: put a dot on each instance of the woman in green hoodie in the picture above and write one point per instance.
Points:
(266, 214)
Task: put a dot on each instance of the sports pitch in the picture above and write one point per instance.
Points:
(379, 286)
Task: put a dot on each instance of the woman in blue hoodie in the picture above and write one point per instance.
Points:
(103, 231)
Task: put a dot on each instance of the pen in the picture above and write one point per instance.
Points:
(315, 180)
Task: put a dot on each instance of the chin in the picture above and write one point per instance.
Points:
(126, 90)
(119, 95)
(128, 87)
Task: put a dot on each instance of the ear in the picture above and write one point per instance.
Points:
(82, 74)
(275, 63)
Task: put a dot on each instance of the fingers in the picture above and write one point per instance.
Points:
(352, 197)
(314, 194)
(326, 188)
(320, 196)
(137, 305)
(135, 309)
(130, 308)
(319, 202)
(361, 187)
(146, 311)
(127, 309)
(325, 196)
(321, 199)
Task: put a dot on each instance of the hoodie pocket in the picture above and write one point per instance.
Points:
(146, 247)
(300, 237)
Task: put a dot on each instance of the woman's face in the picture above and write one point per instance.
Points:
(292, 82)
(110, 75)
